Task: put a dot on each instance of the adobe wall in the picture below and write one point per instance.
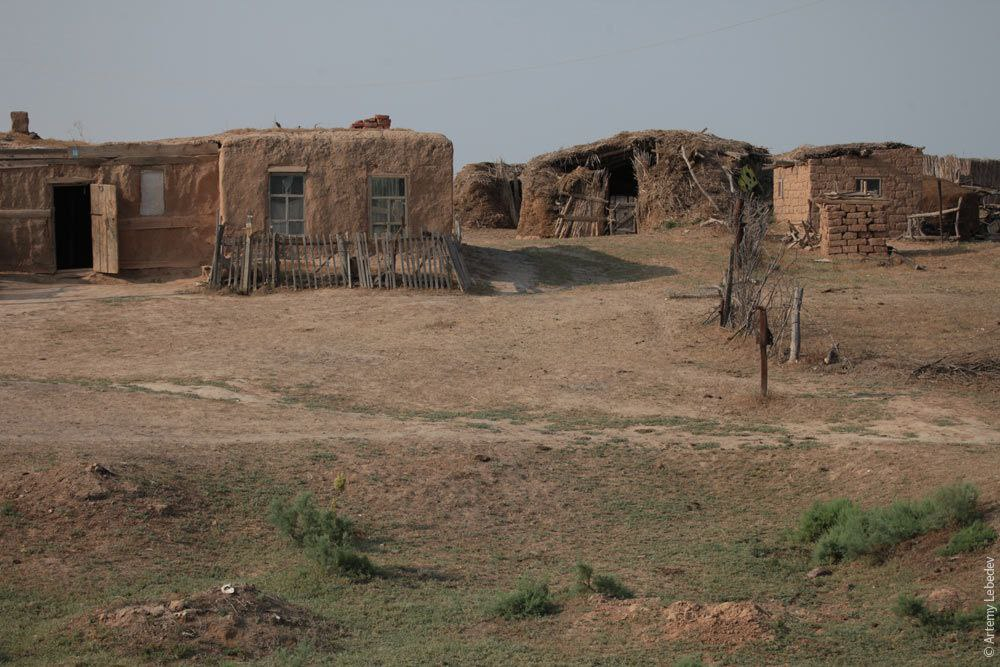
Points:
(853, 226)
(337, 166)
(791, 194)
(181, 238)
(901, 171)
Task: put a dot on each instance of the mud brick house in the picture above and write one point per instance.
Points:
(854, 195)
(155, 204)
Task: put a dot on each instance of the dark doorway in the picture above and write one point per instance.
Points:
(622, 181)
(71, 213)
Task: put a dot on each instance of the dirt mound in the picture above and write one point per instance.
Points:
(726, 623)
(108, 512)
(234, 620)
(944, 599)
(723, 623)
(70, 489)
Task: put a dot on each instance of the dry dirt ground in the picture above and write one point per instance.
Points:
(578, 409)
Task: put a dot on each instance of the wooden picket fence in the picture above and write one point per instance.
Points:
(247, 262)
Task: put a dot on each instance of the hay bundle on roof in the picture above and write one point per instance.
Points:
(488, 194)
(648, 165)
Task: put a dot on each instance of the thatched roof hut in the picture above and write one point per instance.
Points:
(488, 194)
(667, 175)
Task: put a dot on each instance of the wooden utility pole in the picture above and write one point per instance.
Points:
(762, 336)
(726, 307)
(793, 349)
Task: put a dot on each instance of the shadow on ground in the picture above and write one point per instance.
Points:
(531, 270)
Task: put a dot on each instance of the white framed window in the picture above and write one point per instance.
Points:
(868, 186)
(287, 203)
(151, 192)
(388, 204)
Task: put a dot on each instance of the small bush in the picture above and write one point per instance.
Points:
(977, 535)
(909, 606)
(323, 536)
(689, 661)
(529, 599)
(821, 517)
(952, 505)
(605, 584)
(7, 509)
(844, 531)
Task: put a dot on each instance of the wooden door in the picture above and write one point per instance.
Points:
(104, 227)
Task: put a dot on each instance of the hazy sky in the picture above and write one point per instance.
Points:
(919, 71)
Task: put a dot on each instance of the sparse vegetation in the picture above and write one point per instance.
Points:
(7, 509)
(841, 530)
(530, 598)
(605, 584)
(689, 661)
(977, 535)
(323, 536)
(909, 606)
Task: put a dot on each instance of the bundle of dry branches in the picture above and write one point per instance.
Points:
(801, 235)
(755, 276)
(965, 368)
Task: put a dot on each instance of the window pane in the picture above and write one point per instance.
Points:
(397, 212)
(278, 209)
(387, 187)
(380, 210)
(297, 228)
(151, 192)
(296, 208)
(279, 227)
(286, 184)
(378, 229)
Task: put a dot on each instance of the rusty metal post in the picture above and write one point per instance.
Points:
(762, 342)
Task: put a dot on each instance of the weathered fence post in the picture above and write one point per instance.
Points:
(244, 285)
(215, 279)
(762, 341)
(793, 348)
(276, 265)
(725, 308)
(940, 212)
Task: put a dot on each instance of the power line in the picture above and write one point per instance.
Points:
(568, 61)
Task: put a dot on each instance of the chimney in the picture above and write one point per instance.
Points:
(19, 122)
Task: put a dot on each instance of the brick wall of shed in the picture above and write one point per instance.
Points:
(791, 194)
(900, 169)
(853, 227)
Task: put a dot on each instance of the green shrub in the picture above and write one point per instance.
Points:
(821, 517)
(977, 535)
(323, 536)
(909, 606)
(530, 598)
(605, 584)
(689, 661)
(844, 531)
(952, 505)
